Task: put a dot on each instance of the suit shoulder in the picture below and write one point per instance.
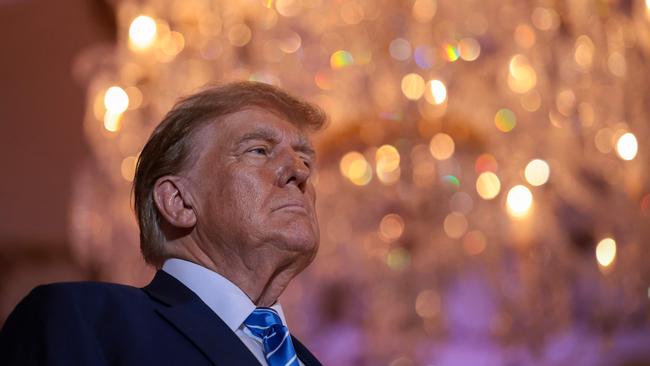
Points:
(80, 293)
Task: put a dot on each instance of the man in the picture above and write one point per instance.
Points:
(226, 212)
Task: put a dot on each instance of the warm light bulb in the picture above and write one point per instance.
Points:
(116, 100)
(606, 252)
(627, 146)
(519, 201)
(142, 32)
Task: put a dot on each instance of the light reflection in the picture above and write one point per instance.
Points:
(537, 172)
(451, 52)
(116, 100)
(616, 64)
(398, 259)
(341, 59)
(391, 227)
(427, 304)
(505, 120)
(352, 12)
(531, 101)
(400, 49)
(455, 225)
(112, 121)
(412, 86)
(565, 102)
(545, 18)
(474, 242)
(606, 252)
(525, 36)
(288, 8)
(469, 49)
(584, 52)
(142, 32)
(603, 140)
(522, 76)
(519, 201)
(436, 92)
(424, 10)
(488, 185)
(627, 146)
(442, 146)
(127, 168)
(354, 166)
(387, 164)
(239, 35)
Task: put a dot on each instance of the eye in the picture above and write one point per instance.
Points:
(307, 162)
(260, 150)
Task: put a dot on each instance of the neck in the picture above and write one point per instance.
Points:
(262, 277)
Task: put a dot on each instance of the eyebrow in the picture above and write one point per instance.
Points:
(303, 145)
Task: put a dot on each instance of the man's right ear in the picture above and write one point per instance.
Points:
(169, 196)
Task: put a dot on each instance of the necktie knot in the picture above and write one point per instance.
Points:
(266, 325)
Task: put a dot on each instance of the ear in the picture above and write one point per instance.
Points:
(172, 203)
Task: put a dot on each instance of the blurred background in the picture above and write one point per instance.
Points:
(483, 184)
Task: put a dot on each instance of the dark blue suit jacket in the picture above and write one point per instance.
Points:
(90, 323)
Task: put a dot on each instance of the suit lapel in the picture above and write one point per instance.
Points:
(303, 353)
(190, 316)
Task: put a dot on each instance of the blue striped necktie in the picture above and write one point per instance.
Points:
(265, 324)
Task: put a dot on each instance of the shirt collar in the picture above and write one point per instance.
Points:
(223, 297)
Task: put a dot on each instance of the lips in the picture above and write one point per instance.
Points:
(292, 206)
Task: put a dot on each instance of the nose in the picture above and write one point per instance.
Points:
(293, 170)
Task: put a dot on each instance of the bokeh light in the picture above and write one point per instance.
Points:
(424, 10)
(239, 35)
(522, 76)
(412, 86)
(341, 59)
(474, 242)
(469, 49)
(606, 252)
(116, 100)
(450, 52)
(488, 185)
(288, 8)
(442, 146)
(112, 121)
(584, 52)
(525, 36)
(519, 201)
(387, 164)
(127, 168)
(436, 92)
(455, 225)
(142, 32)
(400, 49)
(627, 146)
(486, 163)
(505, 120)
(537, 172)
(427, 304)
(391, 227)
(398, 259)
(356, 168)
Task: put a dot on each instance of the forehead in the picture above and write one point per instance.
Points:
(256, 118)
(228, 130)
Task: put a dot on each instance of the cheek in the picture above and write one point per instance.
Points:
(247, 194)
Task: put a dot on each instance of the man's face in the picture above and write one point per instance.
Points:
(252, 178)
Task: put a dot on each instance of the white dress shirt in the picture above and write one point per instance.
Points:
(227, 300)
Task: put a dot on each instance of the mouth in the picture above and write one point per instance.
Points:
(293, 206)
